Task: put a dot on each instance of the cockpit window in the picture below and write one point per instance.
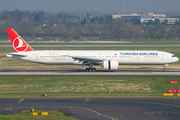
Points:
(173, 56)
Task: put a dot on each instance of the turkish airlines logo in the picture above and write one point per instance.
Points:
(19, 44)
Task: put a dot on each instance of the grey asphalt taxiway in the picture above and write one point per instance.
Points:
(99, 108)
(82, 72)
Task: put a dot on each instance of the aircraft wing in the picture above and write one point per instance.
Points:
(87, 59)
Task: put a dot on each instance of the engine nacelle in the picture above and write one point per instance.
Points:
(111, 64)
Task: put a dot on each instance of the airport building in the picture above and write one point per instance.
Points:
(146, 17)
(69, 18)
(170, 21)
(128, 16)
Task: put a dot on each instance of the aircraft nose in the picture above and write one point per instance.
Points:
(177, 59)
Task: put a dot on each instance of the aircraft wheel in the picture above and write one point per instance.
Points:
(87, 70)
(164, 70)
(94, 69)
(91, 70)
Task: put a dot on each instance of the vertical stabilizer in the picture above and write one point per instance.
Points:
(18, 43)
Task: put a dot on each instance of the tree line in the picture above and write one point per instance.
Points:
(43, 24)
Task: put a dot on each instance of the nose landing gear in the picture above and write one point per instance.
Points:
(165, 67)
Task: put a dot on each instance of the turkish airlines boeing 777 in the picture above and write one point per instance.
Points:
(108, 59)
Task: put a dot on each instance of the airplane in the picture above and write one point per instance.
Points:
(108, 59)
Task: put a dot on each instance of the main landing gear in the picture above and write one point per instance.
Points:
(90, 69)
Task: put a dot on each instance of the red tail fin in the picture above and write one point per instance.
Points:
(18, 43)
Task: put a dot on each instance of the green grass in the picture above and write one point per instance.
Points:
(82, 95)
(43, 84)
(27, 115)
(170, 42)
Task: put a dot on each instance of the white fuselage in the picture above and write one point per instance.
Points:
(124, 57)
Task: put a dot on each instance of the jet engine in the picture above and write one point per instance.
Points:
(110, 64)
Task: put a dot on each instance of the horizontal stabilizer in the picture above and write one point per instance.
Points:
(15, 55)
